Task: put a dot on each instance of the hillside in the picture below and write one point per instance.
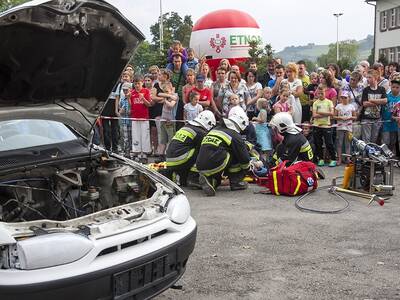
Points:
(312, 51)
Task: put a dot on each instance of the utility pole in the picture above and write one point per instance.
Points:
(161, 28)
(337, 15)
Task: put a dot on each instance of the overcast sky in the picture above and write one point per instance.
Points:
(283, 23)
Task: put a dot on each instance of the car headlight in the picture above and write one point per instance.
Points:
(178, 209)
(51, 250)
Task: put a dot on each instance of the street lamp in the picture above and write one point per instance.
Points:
(161, 29)
(337, 15)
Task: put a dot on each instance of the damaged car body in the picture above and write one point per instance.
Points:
(77, 221)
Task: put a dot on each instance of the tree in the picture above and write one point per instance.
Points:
(260, 55)
(174, 28)
(348, 55)
(7, 4)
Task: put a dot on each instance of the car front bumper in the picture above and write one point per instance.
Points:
(140, 278)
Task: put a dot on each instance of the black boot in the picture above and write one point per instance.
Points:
(237, 186)
(192, 181)
(207, 185)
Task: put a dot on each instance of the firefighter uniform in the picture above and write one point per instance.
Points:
(182, 151)
(294, 147)
(223, 150)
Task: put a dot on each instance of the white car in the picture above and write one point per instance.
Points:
(76, 221)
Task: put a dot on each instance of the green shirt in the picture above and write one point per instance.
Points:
(325, 106)
(304, 97)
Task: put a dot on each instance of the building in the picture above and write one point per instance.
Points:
(387, 29)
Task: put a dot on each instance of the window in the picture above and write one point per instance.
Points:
(398, 55)
(398, 16)
(383, 20)
(391, 54)
(392, 18)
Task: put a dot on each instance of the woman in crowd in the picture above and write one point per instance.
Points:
(326, 78)
(234, 87)
(337, 79)
(255, 91)
(296, 89)
(224, 63)
(206, 71)
(221, 81)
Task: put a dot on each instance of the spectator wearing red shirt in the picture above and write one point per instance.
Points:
(140, 102)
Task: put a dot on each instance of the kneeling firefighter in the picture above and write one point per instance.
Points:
(223, 150)
(184, 147)
(295, 146)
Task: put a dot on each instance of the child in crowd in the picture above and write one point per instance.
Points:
(262, 129)
(177, 48)
(167, 128)
(140, 103)
(391, 115)
(234, 100)
(373, 98)
(124, 111)
(267, 94)
(312, 87)
(322, 112)
(192, 61)
(345, 113)
(192, 109)
(282, 105)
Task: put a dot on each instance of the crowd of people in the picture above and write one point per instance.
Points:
(144, 112)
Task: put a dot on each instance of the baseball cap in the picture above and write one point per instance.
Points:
(126, 86)
(200, 77)
(345, 94)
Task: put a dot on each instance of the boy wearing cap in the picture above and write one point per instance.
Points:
(204, 92)
(390, 126)
(345, 113)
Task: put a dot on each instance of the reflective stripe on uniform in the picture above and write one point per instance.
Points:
(298, 186)
(275, 183)
(183, 133)
(179, 160)
(194, 169)
(306, 148)
(222, 135)
(217, 169)
(234, 169)
(245, 166)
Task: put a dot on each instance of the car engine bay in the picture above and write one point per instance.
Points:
(71, 191)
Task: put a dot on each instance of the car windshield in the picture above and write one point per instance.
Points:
(19, 134)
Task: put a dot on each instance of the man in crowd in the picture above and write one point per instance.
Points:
(178, 81)
(305, 80)
(269, 75)
(204, 92)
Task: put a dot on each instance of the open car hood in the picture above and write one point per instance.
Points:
(60, 59)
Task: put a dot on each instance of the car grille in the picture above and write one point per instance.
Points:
(131, 243)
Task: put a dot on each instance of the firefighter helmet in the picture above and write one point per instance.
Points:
(238, 117)
(205, 119)
(283, 121)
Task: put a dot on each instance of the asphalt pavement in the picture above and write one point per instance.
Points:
(255, 246)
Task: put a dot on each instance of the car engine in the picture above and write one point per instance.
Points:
(71, 191)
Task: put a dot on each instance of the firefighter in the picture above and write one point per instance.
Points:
(223, 150)
(183, 149)
(295, 146)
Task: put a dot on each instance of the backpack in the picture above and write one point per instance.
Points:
(297, 179)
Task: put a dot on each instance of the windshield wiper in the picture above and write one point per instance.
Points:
(21, 153)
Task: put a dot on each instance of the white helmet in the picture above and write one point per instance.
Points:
(283, 121)
(239, 118)
(205, 119)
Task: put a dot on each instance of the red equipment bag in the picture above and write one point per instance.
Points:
(296, 179)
